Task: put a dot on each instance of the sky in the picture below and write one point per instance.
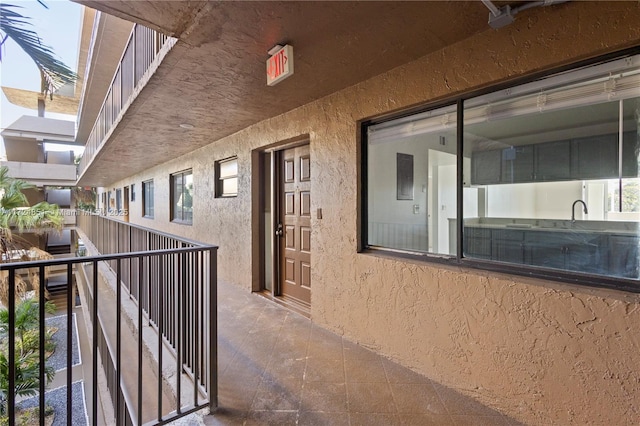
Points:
(59, 28)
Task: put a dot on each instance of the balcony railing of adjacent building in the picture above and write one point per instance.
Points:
(145, 48)
(172, 284)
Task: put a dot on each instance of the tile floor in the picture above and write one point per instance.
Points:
(278, 368)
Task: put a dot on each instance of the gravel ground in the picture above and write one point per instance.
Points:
(58, 360)
(57, 398)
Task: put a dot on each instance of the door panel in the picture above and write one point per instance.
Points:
(295, 218)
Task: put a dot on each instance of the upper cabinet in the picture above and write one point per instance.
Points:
(553, 161)
(517, 164)
(593, 157)
(485, 167)
(630, 154)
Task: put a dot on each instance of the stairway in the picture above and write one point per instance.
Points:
(58, 287)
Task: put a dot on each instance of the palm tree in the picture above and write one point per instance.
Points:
(15, 26)
(27, 363)
(27, 317)
(16, 213)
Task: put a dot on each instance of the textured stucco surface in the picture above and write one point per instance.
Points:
(541, 352)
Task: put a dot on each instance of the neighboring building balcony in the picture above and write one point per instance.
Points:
(143, 53)
(42, 174)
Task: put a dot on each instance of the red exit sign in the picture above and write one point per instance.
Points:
(280, 65)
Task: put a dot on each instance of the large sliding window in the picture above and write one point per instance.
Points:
(182, 197)
(549, 177)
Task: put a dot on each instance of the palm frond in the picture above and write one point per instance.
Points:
(16, 27)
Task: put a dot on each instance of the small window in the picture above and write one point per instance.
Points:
(147, 198)
(227, 177)
(133, 192)
(182, 197)
(119, 200)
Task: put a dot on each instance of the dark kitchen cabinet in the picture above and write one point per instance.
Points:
(595, 157)
(585, 253)
(545, 249)
(477, 243)
(623, 256)
(517, 164)
(507, 246)
(570, 251)
(553, 161)
(485, 167)
(630, 154)
(567, 250)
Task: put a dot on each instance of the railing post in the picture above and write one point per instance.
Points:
(94, 337)
(11, 397)
(41, 342)
(70, 296)
(213, 330)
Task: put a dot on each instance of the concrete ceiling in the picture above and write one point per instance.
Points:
(214, 78)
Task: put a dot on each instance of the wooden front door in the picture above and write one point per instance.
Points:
(294, 225)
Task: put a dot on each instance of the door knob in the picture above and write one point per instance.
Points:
(279, 231)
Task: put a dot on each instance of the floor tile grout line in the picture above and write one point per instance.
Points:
(304, 370)
(271, 351)
(393, 397)
(346, 386)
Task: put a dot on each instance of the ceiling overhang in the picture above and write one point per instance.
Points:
(214, 78)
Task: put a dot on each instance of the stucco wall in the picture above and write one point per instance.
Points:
(541, 352)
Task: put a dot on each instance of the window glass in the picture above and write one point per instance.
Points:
(147, 199)
(411, 183)
(553, 174)
(118, 201)
(227, 177)
(182, 197)
(550, 177)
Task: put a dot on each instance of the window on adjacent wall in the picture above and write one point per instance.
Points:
(147, 199)
(133, 192)
(182, 197)
(227, 177)
(548, 175)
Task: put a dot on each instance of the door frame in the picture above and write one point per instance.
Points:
(260, 249)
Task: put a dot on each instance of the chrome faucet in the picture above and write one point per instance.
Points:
(573, 209)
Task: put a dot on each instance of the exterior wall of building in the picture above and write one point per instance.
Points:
(541, 352)
(24, 150)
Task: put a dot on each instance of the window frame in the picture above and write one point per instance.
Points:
(219, 180)
(458, 260)
(148, 192)
(172, 196)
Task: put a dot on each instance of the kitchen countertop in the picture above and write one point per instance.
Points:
(560, 225)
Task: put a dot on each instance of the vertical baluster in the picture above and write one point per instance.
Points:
(197, 331)
(70, 295)
(117, 385)
(160, 319)
(140, 269)
(94, 321)
(41, 342)
(213, 329)
(11, 397)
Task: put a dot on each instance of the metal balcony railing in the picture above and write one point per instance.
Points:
(172, 284)
(142, 50)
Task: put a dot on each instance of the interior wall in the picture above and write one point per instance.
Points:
(541, 352)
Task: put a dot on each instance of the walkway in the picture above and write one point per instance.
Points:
(278, 368)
